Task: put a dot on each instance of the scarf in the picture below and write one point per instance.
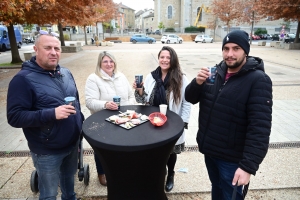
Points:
(160, 96)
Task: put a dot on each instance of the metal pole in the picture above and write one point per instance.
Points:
(252, 24)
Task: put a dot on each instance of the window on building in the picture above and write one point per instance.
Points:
(169, 12)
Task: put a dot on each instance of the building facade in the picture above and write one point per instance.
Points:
(179, 14)
(144, 20)
(126, 18)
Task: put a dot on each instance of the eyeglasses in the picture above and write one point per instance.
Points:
(42, 32)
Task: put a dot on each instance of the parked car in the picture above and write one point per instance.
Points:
(157, 32)
(275, 37)
(4, 39)
(29, 40)
(171, 38)
(141, 38)
(203, 38)
(288, 38)
(255, 37)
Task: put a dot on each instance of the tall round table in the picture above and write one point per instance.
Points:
(134, 160)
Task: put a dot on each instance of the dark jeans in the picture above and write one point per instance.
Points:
(221, 174)
(98, 165)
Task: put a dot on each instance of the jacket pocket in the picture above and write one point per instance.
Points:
(48, 132)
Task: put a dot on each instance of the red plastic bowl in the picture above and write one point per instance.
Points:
(157, 119)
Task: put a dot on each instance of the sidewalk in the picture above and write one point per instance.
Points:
(278, 175)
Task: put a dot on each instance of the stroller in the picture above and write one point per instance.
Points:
(83, 173)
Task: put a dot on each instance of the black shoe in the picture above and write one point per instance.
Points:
(170, 182)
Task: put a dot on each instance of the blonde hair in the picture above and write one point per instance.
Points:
(100, 58)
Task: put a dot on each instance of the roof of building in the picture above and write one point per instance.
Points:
(150, 15)
(124, 6)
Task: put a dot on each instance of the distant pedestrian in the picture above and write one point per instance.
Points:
(96, 40)
(35, 103)
(235, 115)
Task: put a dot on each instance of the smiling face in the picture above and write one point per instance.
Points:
(108, 65)
(48, 51)
(234, 57)
(164, 60)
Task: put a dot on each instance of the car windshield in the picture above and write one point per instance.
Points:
(291, 35)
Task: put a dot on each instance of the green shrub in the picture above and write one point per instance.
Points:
(171, 30)
(66, 37)
(194, 29)
(260, 31)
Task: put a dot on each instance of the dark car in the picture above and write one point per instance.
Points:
(275, 37)
(157, 32)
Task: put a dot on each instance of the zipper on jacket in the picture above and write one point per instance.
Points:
(214, 101)
(57, 78)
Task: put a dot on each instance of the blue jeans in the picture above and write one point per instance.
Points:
(54, 169)
(221, 174)
(99, 167)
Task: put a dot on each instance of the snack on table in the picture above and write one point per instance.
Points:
(113, 118)
(144, 117)
(135, 121)
(128, 119)
(122, 120)
(157, 120)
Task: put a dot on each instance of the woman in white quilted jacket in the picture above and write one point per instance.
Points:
(100, 89)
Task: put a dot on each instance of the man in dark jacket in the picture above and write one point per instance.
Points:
(234, 118)
(35, 103)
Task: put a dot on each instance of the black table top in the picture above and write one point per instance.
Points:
(103, 134)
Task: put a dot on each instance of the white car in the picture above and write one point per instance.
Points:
(171, 38)
(203, 38)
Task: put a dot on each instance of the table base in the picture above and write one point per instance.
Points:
(136, 175)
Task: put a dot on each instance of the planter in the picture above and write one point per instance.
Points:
(262, 43)
(292, 46)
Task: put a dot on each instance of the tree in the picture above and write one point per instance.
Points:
(12, 12)
(213, 24)
(61, 12)
(288, 10)
(227, 11)
(161, 26)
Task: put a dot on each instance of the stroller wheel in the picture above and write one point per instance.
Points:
(86, 174)
(34, 182)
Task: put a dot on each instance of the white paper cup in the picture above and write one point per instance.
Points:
(163, 109)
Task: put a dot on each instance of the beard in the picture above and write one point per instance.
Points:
(235, 64)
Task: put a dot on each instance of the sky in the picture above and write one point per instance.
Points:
(137, 4)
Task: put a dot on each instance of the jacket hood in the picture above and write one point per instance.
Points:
(32, 65)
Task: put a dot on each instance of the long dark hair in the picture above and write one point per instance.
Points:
(175, 79)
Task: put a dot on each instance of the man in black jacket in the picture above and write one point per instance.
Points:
(234, 118)
(35, 103)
